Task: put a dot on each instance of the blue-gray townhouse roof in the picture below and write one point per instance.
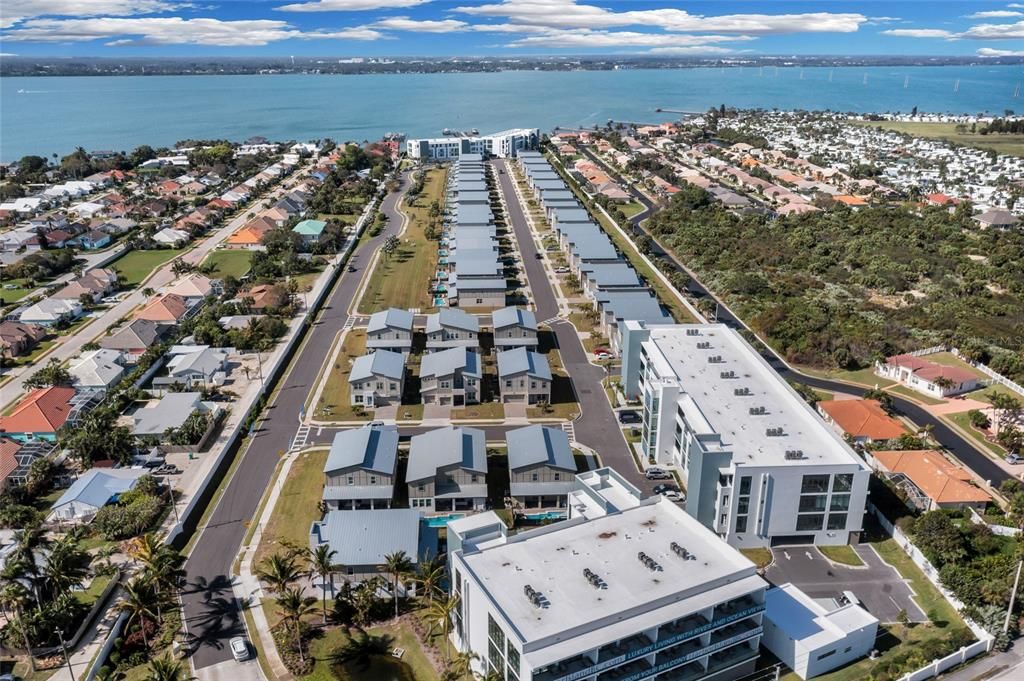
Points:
(550, 185)
(512, 362)
(469, 185)
(564, 216)
(481, 265)
(447, 362)
(445, 447)
(555, 195)
(473, 214)
(99, 486)
(611, 275)
(392, 317)
(475, 284)
(379, 363)
(640, 306)
(374, 448)
(535, 445)
(514, 316)
(454, 318)
(367, 537)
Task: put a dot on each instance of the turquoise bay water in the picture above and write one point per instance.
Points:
(54, 115)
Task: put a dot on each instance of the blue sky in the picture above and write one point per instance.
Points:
(508, 28)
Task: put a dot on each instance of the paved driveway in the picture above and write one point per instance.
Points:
(878, 586)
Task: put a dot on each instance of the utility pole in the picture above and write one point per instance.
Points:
(1013, 597)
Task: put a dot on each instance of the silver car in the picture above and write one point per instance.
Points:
(239, 649)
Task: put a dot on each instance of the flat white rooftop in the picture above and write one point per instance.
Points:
(551, 560)
(711, 404)
(805, 620)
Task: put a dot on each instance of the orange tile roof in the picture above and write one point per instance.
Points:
(251, 233)
(850, 200)
(862, 418)
(929, 370)
(8, 460)
(933, 474)
(43, 411)
(166, 308)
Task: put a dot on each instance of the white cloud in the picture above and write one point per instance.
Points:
(990, 52)
(174, 31)
(568, 14)
(996, 14)
(695, 49)
(995, 31)
(348, 5)
(601, 39)
(8, 54)
(14, 11)
(420, 26)
(919, 33)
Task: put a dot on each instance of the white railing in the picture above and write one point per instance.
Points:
(992, 373)
(1001, 530)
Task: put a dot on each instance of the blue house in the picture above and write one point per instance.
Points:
(94, 240)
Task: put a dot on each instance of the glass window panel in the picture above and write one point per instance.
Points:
(837, 521)
(812, 521)
(741, 523)
(813, 484)
(842, 482)
(840, 502)
(745, 484)
(743, 505)
(813, 502)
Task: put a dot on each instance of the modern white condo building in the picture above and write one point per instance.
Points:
(505, 144)
(760, 466)
(625, 589)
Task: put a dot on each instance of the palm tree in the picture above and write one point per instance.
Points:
(294, 606)
(166, 668)
(321, 564)
(440, 613)
(13, 597)
(279, 571)
(137, 602)
(161, 565)
(66, 566)
(432, 574)
(399, 565)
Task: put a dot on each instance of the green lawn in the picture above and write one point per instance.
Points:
(865, 377)
(229, 262)
(334, 404)
(403, 278)
(632, 208)
(472, 412)
(327, 649)
(135, 266)
(667, 298)
(1004, 144)
(985, 394)
(844, 555)
(12, 295)
(963, 420)
(761, 557)
(296, 507)
(937, 608)
(913, 395)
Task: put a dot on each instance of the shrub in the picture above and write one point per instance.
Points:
(132, 515)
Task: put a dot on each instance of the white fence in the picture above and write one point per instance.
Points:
(985, 639)
(1001, 530)
(983, 368)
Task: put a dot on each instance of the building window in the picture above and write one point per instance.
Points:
(824, 655)
(508, 384)
(373, 479)
(837, 521)
(743, 505)
(534, 477)
(811, 521)
(842, 482)
(812, 503)
(741, 523)
(814, 484)
(558, 476)
(745, 484)
(840, 502)
(350, 480)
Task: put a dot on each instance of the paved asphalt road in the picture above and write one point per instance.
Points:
(598, 426)
(949, 438)
(212, 614)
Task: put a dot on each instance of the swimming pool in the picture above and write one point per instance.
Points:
(442, 520)
(546, 515)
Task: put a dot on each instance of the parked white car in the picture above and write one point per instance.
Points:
(239, 649)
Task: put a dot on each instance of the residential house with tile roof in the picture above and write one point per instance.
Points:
(135, 338)
(928, 377)
(18, 339)
(931, 480)
(863, 421)
(167, 308)
(39, 415)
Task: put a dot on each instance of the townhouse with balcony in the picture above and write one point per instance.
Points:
(451, 377)
(450, 328)
(390, 329)
(360, 470)
(625, 590)
(524, 377)
(448, 470)
(377, 379)
(761, 468)
(514, 328)
(541, 467)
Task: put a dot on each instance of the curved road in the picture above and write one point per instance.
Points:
(211, 612)
(959, 446)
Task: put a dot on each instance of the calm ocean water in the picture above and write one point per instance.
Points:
(54, 115)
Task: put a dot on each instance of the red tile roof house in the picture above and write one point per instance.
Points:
(17, 338)
(927, 377)
(8, 460)
(39, 416)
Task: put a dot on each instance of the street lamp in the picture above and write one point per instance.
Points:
(63, 647)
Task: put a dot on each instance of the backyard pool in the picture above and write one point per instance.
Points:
(545, 515)
(442, 520)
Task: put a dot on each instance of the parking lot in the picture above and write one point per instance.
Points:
(879, 587)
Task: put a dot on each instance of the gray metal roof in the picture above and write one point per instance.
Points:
(477, 264)
(611, 274)
(512, 362)
(453, 318)
(579, 230)
(477, 284)
(567, 215)
(367, 537)
(447, 362)
(468, 185)
(633, 305)
(536, 445)
(378, 363)
(390, 318)
(556, 194)
(514, 316)
(595, 249)
(570, 202)
(550, 487)
(473, 242)
(343, 492)
(444, 448)
(138, 334)
(473, 214)
(373, 448)
(170, 412)
(97, 486)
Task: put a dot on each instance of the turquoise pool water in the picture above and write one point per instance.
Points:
(442, 520)
(440, 302)
(546, 515)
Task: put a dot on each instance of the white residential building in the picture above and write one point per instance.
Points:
(760, 466)
(504, 144)
(624, 589)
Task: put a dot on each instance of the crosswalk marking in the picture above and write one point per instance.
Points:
(570, 430)
(350, 321)
(551, 321)
(300, 439)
